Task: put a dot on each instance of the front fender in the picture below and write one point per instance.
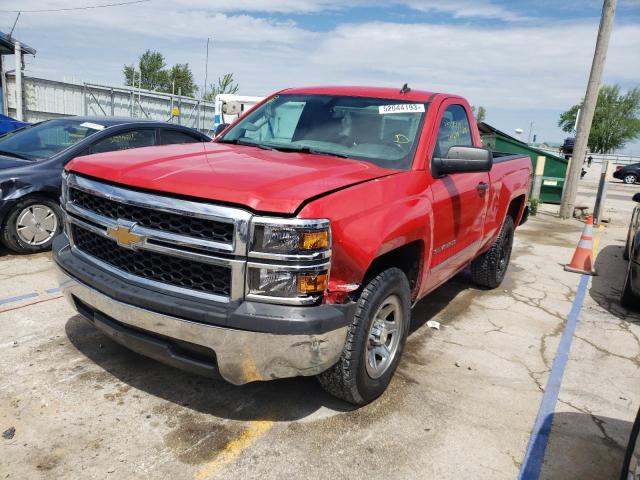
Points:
(371, 219)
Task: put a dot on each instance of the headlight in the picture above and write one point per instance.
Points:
(63, 195)
(278, 237)
(298, 252)
(300, 286)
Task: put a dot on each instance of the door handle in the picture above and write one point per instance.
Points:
(482, 187)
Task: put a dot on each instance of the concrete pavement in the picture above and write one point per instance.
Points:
(462, 405)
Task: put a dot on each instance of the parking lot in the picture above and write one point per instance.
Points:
(462, 405)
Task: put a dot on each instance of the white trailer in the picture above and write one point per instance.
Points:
(228, 107)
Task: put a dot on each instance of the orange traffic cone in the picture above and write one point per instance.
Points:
(582, 261)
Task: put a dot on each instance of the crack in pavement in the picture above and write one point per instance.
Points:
(635, 360)
(607, 439)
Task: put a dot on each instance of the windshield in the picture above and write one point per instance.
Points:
(45, 139)
(380, 131)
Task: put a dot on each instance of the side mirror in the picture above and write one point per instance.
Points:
(463, 159)
(219, 129)
(636, 197)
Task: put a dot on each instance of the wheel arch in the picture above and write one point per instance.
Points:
(516, 208)
(408, 258)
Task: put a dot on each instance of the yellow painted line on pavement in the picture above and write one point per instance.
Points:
(234, 448)
(596, 241)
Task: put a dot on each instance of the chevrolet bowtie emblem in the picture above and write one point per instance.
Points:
(122, 234)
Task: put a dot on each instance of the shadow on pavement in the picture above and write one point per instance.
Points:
(607, 285)
(435, 302)
(583, 447)
(279, 400)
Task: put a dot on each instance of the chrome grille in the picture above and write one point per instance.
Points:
(148, 217)
(156, 241)
(167, 269)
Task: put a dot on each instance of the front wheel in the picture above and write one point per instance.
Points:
(31, 225)
(375, 340)
(629, 179)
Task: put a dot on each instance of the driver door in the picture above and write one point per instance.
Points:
(459, 200)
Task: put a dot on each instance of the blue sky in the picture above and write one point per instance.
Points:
(525, 61)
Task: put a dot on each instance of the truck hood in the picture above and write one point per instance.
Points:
(263, 180)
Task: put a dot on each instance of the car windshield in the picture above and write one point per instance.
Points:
(45, 139)
(380, 131)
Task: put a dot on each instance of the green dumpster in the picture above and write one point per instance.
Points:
(555, 167)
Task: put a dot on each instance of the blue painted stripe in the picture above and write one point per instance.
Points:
(17, 298)
(533, 459)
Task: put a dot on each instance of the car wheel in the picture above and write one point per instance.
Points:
(489, 269)
(375, 340)
(32, 224)
(628, 299)
(629, 178)
(627, 246)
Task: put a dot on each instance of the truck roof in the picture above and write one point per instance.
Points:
(376, 92)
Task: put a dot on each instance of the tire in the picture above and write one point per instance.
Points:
(48, 217)
(628, 299)
(629, 178)
(627, 246)
(489, 269)
(354, 377)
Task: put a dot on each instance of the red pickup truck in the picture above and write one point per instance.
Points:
(297, 241)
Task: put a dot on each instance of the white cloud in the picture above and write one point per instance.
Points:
(510, 67)
(465, 9)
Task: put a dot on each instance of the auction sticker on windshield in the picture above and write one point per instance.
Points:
(402, 108)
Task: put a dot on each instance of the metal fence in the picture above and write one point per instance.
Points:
(617, 159)
(44, 99)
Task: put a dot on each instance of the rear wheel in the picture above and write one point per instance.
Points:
(375, 340)
(629, 178)
(31, 225)
(489, 269)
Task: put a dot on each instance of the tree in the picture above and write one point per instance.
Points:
(180, 80)
(480, 113)
(226, 84)
(152, 74)
(616, 120)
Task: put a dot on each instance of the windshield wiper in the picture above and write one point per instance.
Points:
(312, 151)
(15, 155)
(237, 141)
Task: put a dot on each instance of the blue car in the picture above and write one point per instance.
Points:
(32, 159)
(7, 124)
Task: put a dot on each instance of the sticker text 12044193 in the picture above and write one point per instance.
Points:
(401, 108)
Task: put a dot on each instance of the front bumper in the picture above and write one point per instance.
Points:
(238, 356)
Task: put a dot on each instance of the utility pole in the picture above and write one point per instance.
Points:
(588, 108)
(17, 53)
(206, 79)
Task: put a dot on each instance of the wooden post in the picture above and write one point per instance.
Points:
(537, 177)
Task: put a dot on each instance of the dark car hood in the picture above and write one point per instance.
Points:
(7, 163)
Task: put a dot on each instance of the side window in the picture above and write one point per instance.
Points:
(126, 140)
(169, 137)
(454, 130)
